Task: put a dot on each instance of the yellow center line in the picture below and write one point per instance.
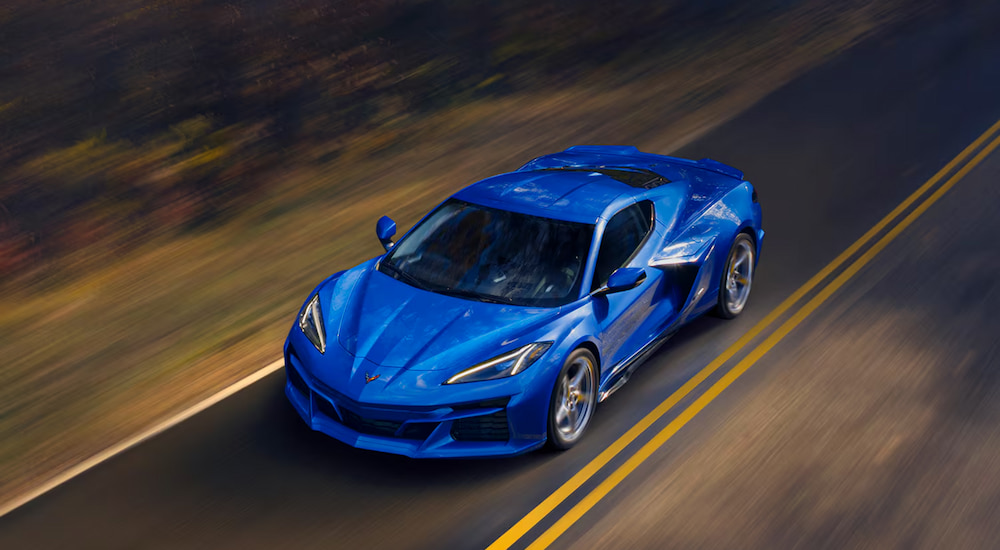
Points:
(538, 513)
(667, 432)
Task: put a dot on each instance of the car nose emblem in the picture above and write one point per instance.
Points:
(370, 379)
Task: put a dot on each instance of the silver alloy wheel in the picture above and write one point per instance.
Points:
(575, 399)
(739, 277)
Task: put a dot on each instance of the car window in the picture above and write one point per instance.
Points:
(489, 254)
(623, 235)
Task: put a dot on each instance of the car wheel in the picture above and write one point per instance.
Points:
(573, 400)
(737, 278)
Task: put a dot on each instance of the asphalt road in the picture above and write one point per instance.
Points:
(873, 423)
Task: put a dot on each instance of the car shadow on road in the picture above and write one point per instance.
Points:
(253, 450)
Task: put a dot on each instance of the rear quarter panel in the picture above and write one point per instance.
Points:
(733, 213)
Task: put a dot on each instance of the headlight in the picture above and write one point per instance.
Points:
(311, 323)
(502, 366)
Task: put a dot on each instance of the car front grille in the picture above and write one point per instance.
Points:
(488, 427)
(418, 430)
(370, 426)
(326, 408)
(296, 379)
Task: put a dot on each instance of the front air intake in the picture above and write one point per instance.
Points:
(489, 427)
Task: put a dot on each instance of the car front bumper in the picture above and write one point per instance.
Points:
(469, 427)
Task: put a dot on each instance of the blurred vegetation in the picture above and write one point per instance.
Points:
(175, 175)
(129, 119)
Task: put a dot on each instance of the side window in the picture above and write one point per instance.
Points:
(622, 236)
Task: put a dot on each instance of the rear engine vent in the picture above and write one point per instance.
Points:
(634, 177)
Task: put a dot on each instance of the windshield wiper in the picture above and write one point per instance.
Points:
(401, 275)
(459, 293)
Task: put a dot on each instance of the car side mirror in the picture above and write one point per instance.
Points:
(625, 278)
(384, 230)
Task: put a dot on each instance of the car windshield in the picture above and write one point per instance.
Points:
(493, 255)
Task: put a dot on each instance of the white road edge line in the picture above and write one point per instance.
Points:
(127, 444)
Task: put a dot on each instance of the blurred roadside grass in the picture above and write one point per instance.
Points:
(92, 359)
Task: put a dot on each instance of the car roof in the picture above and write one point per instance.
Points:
(587, 182)
(566, 195)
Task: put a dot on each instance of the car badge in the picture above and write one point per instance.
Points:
(370, 379)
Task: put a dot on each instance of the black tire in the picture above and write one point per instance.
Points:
(736, 282)
(565, 431)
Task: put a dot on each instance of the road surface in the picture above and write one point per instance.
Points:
(872, 422)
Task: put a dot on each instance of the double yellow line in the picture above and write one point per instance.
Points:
(535, 516)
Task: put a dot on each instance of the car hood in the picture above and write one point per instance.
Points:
(392, 324)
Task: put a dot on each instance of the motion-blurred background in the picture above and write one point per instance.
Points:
(176, 175)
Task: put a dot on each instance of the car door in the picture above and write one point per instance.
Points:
(619, 314)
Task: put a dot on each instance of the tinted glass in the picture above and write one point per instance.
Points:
(633, 177)
(488, 254)
(622, 236)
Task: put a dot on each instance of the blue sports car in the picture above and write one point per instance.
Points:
(500, 320)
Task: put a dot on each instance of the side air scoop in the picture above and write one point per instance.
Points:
(685, 252)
